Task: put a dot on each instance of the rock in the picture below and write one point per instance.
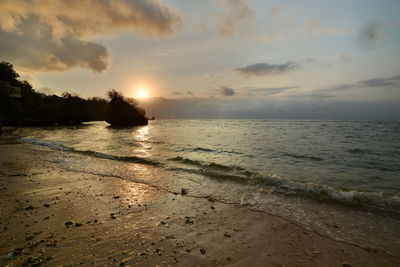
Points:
(120, 113)
(29, 237)
(46, 205)
(17, 251)
(69, 223)
(227, 235)
(184, 191)
(203, 251)
(78, 224)
(37, 260)
(345, 264)
(189, 220)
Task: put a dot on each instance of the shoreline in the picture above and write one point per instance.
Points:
(63, 217)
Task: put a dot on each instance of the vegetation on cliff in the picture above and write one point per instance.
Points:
(123, 112)
(21, 105)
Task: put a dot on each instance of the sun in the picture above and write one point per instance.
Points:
(142, 94)
(141, 91)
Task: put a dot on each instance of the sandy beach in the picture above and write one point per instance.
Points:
(52, 216)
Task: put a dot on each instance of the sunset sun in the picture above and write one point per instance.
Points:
(141, 91)
(142, 94)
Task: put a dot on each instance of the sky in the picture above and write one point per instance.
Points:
(309, 59)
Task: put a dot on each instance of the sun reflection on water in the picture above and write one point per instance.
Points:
(142, 137)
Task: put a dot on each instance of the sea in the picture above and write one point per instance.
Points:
(340, 179)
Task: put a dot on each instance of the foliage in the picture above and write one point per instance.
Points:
(123, 111)
(20, 105)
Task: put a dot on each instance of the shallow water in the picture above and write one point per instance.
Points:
(341, 178)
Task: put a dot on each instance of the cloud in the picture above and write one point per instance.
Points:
(328, 92)
(226, 91)
(53, 34)
(238, 11)
(267, 91)
(393, 81)
(372, 35)
(189, 93)
(46, 90)
(265, 69)
(176, 93)
(316, 27)
(388, 82)
(92, 17)
(38, 51)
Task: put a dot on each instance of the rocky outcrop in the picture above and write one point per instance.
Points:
(120, 113)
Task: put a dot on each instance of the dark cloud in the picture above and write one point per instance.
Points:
(39, 51)
(189, 93)
(226, 91)
(53, 35)
(92, 17)
(176, 93)
(393, 81)
(372, 35)
(265, 69)
(388, 82)
(238, 11)
(329, 92)
(267, 91)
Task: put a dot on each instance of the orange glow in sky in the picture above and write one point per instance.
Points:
(141, 91)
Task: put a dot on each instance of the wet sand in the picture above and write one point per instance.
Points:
(52, 216)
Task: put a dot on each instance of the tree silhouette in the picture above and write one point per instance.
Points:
(20, 105)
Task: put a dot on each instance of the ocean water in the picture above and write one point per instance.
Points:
(339, 178)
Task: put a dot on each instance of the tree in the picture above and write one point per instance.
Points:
(123, 112)
(7, 73)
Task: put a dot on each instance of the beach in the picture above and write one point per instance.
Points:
(55, 216)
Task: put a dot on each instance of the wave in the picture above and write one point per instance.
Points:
(209, 150)
(60, 147)
(281, 185)
(203, 149)
(273, 183)
(359, 151)
(198, 163)
(313, 158)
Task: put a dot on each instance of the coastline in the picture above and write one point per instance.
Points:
(62, 217)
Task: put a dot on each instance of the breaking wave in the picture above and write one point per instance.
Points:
(272, 183)
(281, 185)
(58, 146)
